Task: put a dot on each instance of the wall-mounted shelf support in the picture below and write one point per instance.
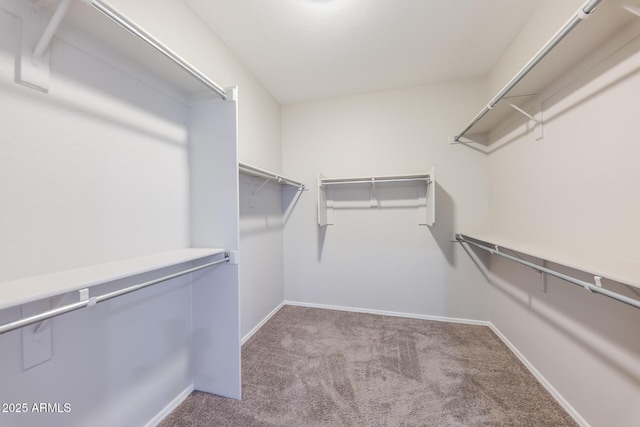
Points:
(48, 33)
(426, 195)
(524, 113)
(538, 122)
(33, 67)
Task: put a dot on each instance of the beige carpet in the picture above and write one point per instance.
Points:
(313, 367)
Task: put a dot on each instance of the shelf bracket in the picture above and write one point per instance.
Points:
(598, 281)
(538, 121)
(375, 203)
(524, 113)
(33, 67)
(51, 29)
(256, 191)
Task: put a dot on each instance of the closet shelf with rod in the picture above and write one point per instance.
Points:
(133, 28)
(23, 291)
(35, 68)
(268, 176)
(426, 194)
(626, 273)
(553, 60)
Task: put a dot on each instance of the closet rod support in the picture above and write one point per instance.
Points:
(256, 191)
(48, 33)
(524, 113)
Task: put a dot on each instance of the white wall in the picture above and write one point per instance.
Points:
(380, 258)
(96, 170)
(261, 234)
(575, 190)
(259, 143)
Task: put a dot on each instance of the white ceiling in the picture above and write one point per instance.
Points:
(303, 50)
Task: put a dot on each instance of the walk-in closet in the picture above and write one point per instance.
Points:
(319, 213)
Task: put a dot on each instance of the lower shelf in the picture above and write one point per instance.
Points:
(23, 291)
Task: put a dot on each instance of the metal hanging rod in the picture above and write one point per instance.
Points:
(580, 15)
(252, 170)
(134, 29)
(101, 298)
(372, 180)
(596, 288)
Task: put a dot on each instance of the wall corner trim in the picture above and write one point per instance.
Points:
(545, 383)
(170, 407)
(261, 323)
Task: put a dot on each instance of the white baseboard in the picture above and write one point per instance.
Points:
(170, 407)
(541, 379)
(390, 313)
(262, 322)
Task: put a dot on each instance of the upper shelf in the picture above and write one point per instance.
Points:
(426, 196)
(376, 179)
(269, 176)
(570, 44)
(95, 26)
(23, 291)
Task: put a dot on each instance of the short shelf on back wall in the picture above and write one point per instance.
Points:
(425, 195)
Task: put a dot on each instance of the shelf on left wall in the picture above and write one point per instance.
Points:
(22, 291)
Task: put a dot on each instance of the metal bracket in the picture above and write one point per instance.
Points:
(375, 202)
(542, 285)
(253, 193)
(33, 69)
(48, 33)
(256, 191)
(524, 113)
(538, 121)
(598, 281)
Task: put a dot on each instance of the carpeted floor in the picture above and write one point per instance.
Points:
(313, 367)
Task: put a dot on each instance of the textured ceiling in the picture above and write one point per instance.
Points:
(303, 50)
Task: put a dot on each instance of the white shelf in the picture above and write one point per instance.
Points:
(621, 271)
(22, 291)
(426, 196)
(608, 18)
(376, 179)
